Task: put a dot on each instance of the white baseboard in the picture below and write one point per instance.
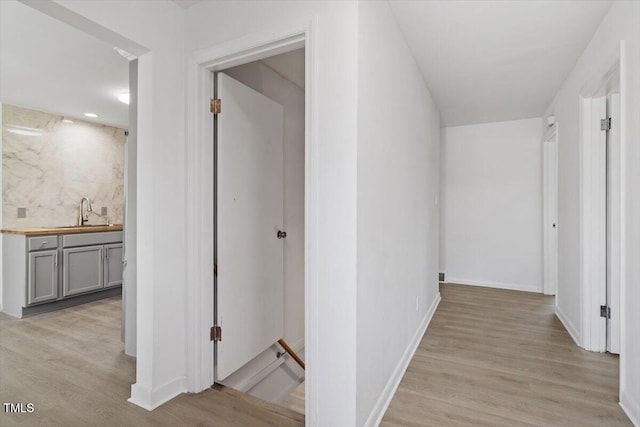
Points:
(630, 407)
(497, 285)
(151, 399)
(568, 325)
(376, 414)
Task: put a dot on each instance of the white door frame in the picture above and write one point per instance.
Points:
(593, 246)
(614, 221)
(550, 211)
(200, 187)
(592, 227)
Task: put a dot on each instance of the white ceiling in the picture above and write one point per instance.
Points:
(487, 61)
(483, 61)
(49, 66)
(289, 65)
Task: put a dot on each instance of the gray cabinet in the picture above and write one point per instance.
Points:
(112, 265)
(43, 276)
(83, 269)
(51, 271)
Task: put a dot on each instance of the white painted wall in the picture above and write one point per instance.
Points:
(265, 80)
(129, 300)
(398, 174)
(621, 23)
(1, 242)
(492, 204)
(331, 356)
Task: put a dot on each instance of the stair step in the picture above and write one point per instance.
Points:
(294, 416)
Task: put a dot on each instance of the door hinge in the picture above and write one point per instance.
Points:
(216, 333)
(216, 106)
(605, 311)
(605, 124)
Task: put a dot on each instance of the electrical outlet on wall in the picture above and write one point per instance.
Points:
(22, 212)
(103, 211)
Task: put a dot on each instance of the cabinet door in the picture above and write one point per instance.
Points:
(83, 270)
(43, 276)
(112, 265)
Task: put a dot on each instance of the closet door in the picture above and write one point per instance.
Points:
(249, 224)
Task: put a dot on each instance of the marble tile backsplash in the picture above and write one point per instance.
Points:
(49, 173)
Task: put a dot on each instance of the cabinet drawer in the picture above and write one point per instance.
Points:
(42, 242)
(86, 239)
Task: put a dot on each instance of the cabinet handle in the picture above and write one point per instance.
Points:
(106, 255)
(55, 260)
(46, 242)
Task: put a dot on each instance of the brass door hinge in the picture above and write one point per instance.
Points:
(216, 333)
(216, 106)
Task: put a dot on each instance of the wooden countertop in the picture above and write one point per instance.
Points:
(61, 230)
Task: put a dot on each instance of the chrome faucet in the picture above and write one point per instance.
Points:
(84, 214)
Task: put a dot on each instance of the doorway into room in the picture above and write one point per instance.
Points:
(259, 205)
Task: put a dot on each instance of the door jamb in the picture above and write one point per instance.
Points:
(200, 217)
(592, 295)
(551, 135)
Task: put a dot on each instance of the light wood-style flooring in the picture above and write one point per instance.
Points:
(502, 358)
(70, 364)
(489, 357)
(295, 401)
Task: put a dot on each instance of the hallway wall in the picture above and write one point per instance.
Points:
(398, 173)
(491, 209)
(621, 23)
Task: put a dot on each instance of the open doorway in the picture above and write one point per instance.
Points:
(259, 235)
(67, 141)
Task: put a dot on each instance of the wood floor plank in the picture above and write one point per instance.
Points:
(502, 358)
(490, 357)
(296, 400)
(70, 364)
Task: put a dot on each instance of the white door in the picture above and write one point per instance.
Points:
(249, 215)
(550, 214)
(613, 224)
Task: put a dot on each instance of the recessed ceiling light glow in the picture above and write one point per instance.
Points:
(67, 121)
(92, 115)
(124, 98)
